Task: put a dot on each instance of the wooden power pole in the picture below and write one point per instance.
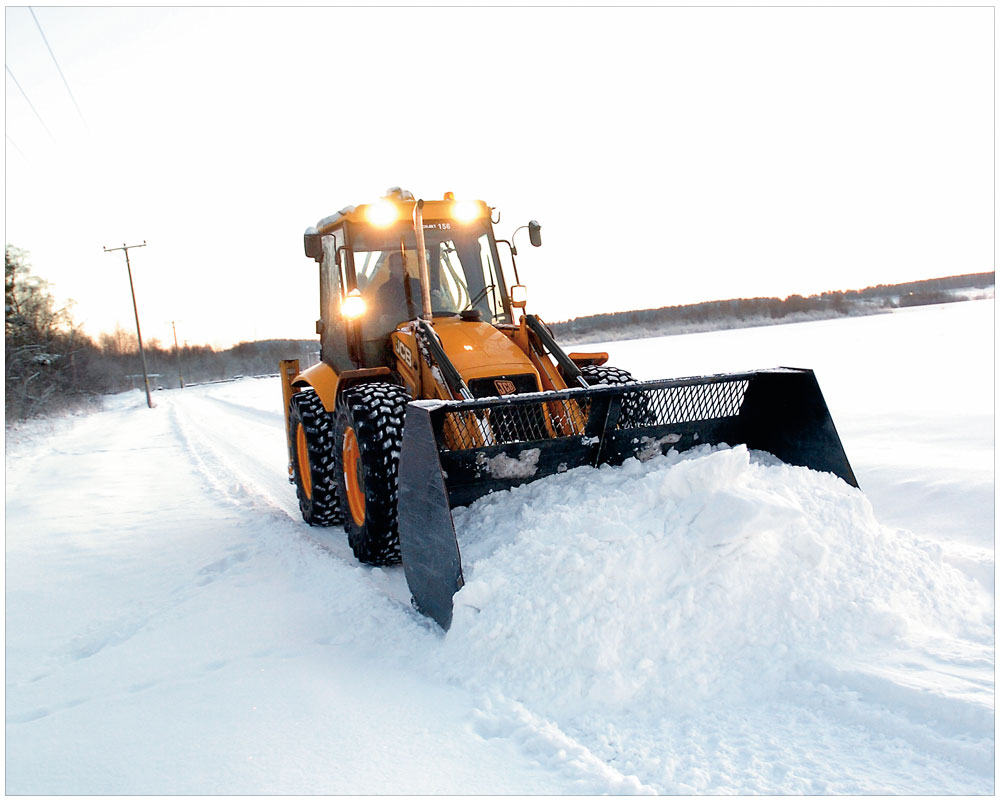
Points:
(138, 332)
(180, 375)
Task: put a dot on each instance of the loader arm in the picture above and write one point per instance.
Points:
(570, 369)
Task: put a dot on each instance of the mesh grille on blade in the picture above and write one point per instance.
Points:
(681, 404)
(544, 418)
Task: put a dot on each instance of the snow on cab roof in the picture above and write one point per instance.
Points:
(327, 221)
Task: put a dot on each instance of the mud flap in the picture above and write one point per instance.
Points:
(780, 411)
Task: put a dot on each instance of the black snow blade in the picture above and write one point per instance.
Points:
(455, 452)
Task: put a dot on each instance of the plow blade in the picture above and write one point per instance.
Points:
(455, 452)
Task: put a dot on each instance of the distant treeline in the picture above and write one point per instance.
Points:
(747, 312)
(52, 367)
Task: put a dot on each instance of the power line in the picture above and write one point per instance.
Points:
(65, 82)
(14, 145)
(53, 138)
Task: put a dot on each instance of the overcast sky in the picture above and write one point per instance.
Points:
(672, 155)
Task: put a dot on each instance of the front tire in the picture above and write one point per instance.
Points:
(313, 465)
(369, 432)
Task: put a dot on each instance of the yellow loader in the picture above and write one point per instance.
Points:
(436, 387)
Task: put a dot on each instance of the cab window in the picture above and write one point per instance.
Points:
(461, 265)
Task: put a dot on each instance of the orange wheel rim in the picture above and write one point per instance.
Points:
(302, 453)
(353, 479)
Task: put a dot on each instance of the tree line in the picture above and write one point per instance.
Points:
(52, 366)
(743, 312)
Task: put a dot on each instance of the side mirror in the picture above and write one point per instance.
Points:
(313, 244)
(518, 295)
(535, 233)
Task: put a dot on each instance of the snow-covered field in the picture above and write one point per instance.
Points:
(710, 623)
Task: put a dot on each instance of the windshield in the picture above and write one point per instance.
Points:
(460, 261)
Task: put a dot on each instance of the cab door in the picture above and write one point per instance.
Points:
(334, 334)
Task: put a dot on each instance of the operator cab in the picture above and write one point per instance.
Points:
(371, 251)
(462, 265)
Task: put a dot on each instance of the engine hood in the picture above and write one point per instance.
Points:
(478, 350)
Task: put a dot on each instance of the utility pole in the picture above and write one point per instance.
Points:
(138, 332)
(177, 350)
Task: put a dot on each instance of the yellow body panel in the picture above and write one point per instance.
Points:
(288, 369)
(324, 380)
(478, 350)
(584, 359)
(408, 361)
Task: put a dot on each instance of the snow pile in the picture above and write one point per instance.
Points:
(708, 577)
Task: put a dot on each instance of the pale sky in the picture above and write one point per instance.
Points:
(672, 155)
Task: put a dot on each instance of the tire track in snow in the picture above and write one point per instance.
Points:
(242, 476)
(233, 461)
(120, 471)
(546, 742)
(269, 418)
(241, 452)
(214, 430)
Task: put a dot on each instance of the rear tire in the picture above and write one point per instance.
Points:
(369, 434)
(313, 467)
(595, 375)
(636, 412)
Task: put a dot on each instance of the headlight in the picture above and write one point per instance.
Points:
(466, 210)
(382, 213)
(353, 305)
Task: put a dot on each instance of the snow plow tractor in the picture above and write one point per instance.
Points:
(435, 387)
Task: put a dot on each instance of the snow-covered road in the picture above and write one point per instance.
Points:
(714, 623)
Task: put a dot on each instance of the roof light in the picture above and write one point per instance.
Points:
(382, 213)
(466, 210)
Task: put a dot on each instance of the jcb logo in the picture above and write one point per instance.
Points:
(505, 387)
(403, 353)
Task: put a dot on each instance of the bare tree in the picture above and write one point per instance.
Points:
(47, 357)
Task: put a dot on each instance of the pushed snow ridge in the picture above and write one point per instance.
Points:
(714, 576)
